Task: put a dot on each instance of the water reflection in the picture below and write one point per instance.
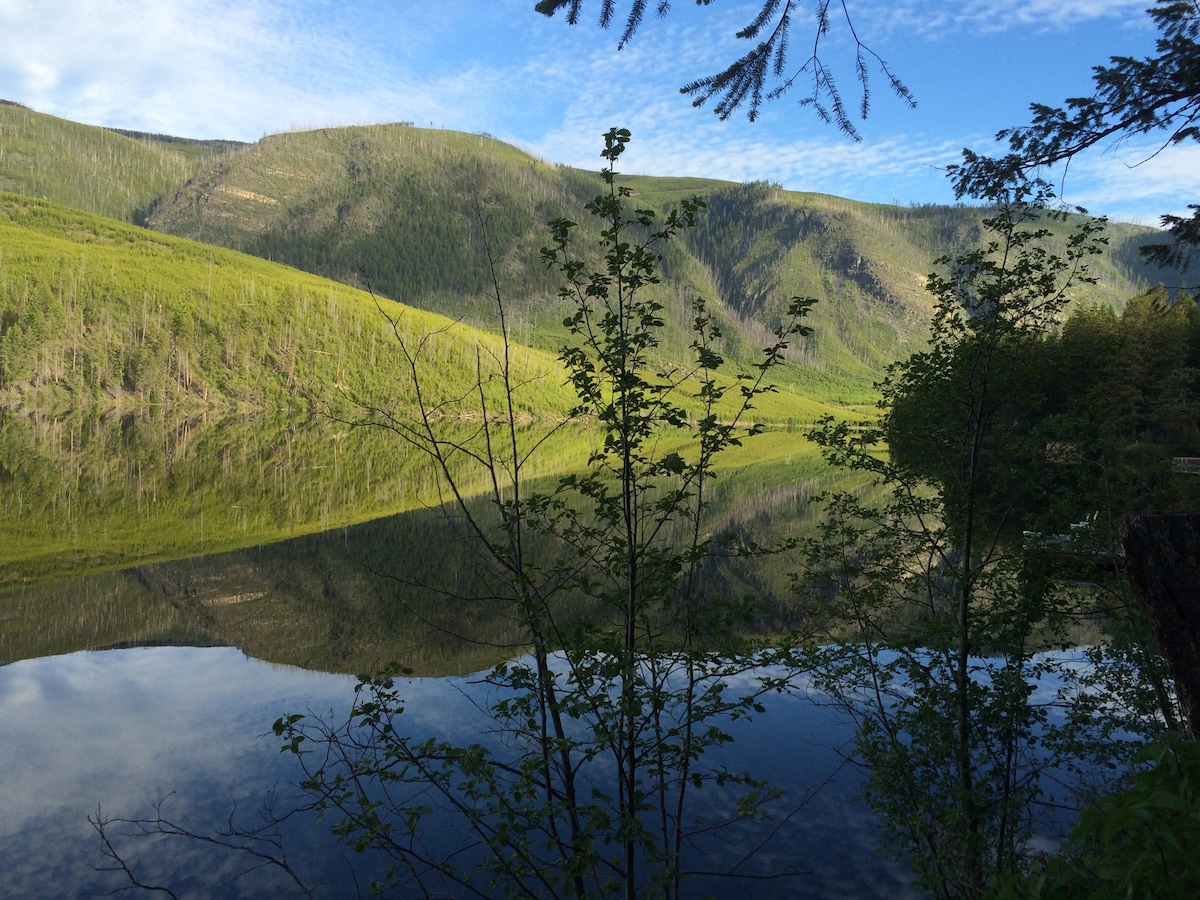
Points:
(353, 598)
(105, 542)
(101, 491)
(121, 729)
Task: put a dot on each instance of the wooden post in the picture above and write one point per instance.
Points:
(1162, 557)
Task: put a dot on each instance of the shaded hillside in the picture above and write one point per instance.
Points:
(867, 263)
(401, 208)
(92, 169)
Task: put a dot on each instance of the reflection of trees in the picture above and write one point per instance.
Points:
(261, 844)
(348, 599)
(604, 728)
(87, 493)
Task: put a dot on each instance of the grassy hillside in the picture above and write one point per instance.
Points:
(415, 214)
(88, 168)
(96, 311)
(408, 211)
(867, 263)
(390, 205)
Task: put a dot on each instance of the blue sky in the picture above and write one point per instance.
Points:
(244, 68)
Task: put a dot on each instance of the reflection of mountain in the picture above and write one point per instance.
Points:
(358, 597)
(93, 492)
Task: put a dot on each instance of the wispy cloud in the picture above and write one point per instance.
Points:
(140, 62)
(220, 68)
(210, 68)
(1136, 182)
(949, 18)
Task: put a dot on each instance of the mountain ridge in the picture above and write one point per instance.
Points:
(426, 217)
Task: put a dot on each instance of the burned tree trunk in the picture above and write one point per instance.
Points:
(1162, 556)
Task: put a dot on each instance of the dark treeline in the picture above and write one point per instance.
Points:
(156, 138)
(1096, 412)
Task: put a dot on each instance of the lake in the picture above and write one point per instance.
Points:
(174, 587)
(169, 588)
(119, 730)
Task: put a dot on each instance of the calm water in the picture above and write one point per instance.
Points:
(168, 590)
(107, 535)
(120, 729)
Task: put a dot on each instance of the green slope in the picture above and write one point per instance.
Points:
(408, 211)
(91, 169)
(97, 311)
(867, 263)
(393, 206)
(415, 215)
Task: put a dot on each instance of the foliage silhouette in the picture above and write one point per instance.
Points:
(1159, 94)
(947, 611)
(744, 82)
(602, 728)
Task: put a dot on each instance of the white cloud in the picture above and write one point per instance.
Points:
(1134, 182)
(208, 68)
(101, 62)
(216, 68)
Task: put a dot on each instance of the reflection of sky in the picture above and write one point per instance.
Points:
(121, 729)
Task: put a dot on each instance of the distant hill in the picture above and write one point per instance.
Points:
(414, 214)
(99, 312)
(403, 209)
(92, 169)
(399, 208)
(191, 148)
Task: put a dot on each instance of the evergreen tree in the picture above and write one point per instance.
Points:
(1156, 95)
(765, 73)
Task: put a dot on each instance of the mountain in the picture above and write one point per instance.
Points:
(426, 217)
(94, 169)
(411, 213)
(408, 211)
(98, 311)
